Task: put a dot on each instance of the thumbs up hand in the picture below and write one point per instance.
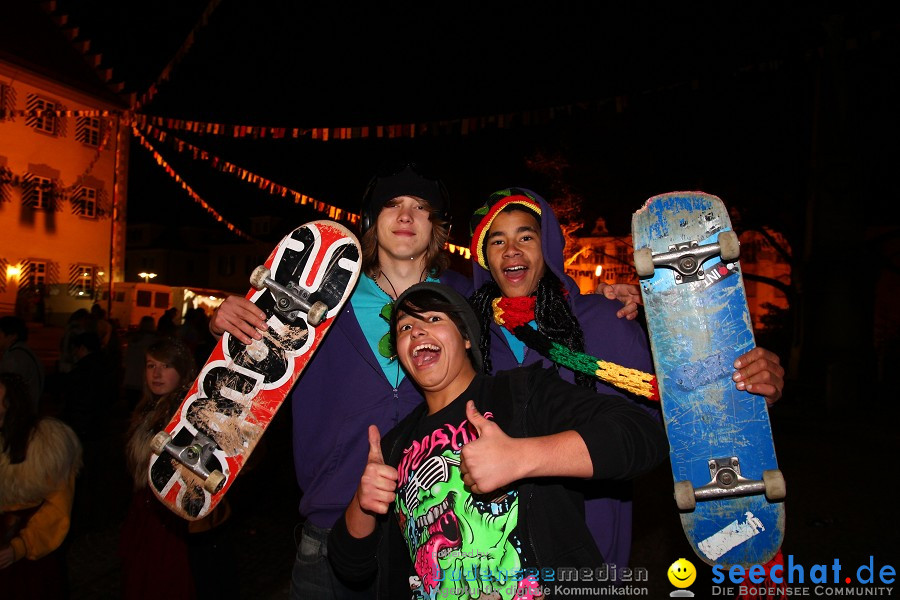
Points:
(378, 485)
(490, 462)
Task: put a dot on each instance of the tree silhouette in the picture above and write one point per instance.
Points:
(566, 202)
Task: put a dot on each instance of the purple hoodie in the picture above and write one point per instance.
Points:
(608, 504)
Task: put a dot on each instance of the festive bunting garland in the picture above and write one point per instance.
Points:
(263, 183)
(515, 313)
(100, 148)
(43, 112)
(148, 95)
(187, 188)
(267, 185)
(462, 126)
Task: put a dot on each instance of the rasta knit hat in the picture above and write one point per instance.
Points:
(427, 296)
(485, 215)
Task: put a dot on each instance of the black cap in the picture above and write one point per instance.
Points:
(471, 327)
(406, 180)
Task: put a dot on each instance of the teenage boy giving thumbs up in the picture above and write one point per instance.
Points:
(472, 493)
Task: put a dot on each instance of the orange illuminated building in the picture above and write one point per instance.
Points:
(63, 172)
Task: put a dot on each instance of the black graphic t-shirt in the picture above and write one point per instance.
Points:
(458, 542)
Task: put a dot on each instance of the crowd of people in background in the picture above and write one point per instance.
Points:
(66, 427)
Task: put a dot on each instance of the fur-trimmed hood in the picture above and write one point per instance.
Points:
(53, 456)
(137, 452)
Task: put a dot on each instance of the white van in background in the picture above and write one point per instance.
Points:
(131, 301)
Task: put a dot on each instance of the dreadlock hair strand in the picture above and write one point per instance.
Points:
(481, 302)
(556, 320)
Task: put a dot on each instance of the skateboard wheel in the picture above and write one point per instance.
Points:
(684, 495)
(643, 262)
(258, 277)
(316, 313)
(729, 246)
(214, 482)
(159, 442)
(775, 486)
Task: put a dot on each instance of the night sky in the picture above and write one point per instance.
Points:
(721, 99)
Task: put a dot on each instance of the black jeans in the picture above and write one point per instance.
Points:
(312, 576)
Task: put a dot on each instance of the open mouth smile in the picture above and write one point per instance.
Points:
(425, 354)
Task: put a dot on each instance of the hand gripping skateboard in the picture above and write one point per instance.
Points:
(301, 287)
(727, 483)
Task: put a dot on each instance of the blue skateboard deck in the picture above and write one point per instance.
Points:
(720, 439)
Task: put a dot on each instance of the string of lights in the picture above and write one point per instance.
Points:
(145, 143)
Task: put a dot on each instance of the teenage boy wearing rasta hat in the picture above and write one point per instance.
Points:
(532, 312)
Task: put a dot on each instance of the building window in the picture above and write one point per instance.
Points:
(7, 102)
(84, 203)
(37, 192)
(226, 266)
(144, 298)
(5, 180)
(87, 130)
(749, 249)
(34, 274)
(161, 300)
(82, 280)
(42, 114)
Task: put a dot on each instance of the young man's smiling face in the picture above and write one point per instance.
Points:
(404, 228)
(514, 253)
(433, 352)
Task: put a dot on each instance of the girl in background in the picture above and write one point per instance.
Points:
(159, 549)
(39, 460)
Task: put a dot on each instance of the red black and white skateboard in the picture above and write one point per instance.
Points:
(302, 287)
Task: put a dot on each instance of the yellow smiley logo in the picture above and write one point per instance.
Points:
(682, 573)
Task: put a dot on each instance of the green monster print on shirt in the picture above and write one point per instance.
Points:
(461, 545)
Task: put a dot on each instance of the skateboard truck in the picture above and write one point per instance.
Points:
(193, 457)
(687, 258)
(291, 300)
(726, 481)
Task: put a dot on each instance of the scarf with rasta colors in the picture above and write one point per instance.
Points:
(515, 313)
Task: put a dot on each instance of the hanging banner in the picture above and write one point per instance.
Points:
(463, 127)
(187, 188)
(148, 95)
(41, 112)
(263, 183)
